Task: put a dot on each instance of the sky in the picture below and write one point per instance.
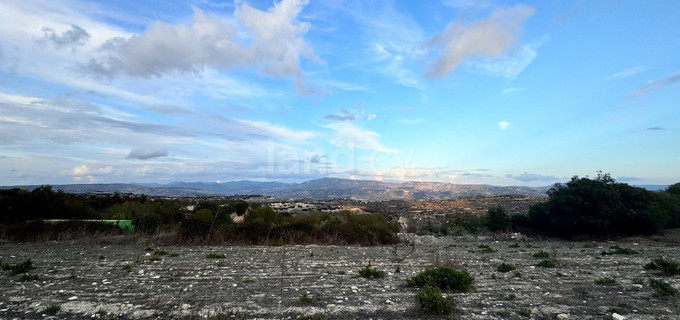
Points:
(458, 91)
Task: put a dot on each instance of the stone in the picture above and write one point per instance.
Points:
(562, 316)
(617, 316)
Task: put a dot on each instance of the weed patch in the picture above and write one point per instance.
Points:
(667, 266)
(546, 264)
(215, 256)
(541, 255)
(605, 281)
(368, 272)
(505, 267)
(445, 278)
(52, 310)
(662, 288)
(28, 277)
(431, 301)
(618, 250)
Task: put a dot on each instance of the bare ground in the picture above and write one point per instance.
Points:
(91, 281)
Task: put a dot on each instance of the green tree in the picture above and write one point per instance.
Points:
(498, 220)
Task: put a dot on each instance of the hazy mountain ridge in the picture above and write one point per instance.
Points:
(319, 189)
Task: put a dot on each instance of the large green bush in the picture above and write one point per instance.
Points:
(601, 208)
(443, 277)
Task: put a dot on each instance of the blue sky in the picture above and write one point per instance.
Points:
(461, 91)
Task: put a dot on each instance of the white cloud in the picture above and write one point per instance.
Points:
(508, 65)
(503, 125)
(626, 73)
(489, 37)
(274, 48)
(348, 135)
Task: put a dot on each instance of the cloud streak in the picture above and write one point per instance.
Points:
(147, 153)
(489, 37)
(656, 85)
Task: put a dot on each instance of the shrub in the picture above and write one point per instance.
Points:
(662, 288)
(541, 254)
(304, 298)
(445, 278)
(486, 249)
(316, 316)
(546, 264)
(605, 281)
(431, 301)
(215, 256)
(367, 272)
(505, 267)
(512, 296)
(52, 310)
(666, 266)
(619, 250)
(525, 312)
(23, 267)
(28, 277)
(127, 268)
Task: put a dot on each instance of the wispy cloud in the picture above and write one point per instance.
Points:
(626, 73)
(344, 116)
(655, 129)
(503, 125)
(410, 121)
(489, 37)
(510, 90)
(655, 85)
(348, 135)
(73, 37)
(528, 177)
(147, 153)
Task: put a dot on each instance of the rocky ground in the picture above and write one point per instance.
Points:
(140, 281)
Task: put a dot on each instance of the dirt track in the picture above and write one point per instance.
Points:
(266, 282)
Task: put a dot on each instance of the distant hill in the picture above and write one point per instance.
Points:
(320, 189)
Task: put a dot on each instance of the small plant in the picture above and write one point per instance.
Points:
(28, 277)
(174, 254)
(486, 249)
(368, 272)
(431, 301)
(341, 272)
(304, 298)
(526, 312)
(514, 245)
(248, 280)
(127, 268)
(316, 316)
(397, 270)
(546, 264)
(19, 268)
(155, 258)
(518, 274)
(160, 253)
(662, 288)
(512, 296)
(667, 266)
(605, 281)
(505, 267)
(618, 250)
(541, 255)
(445, 278)
(215, 256)
(52, 310)
(102, 257)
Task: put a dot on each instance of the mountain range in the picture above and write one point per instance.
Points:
(319, 189)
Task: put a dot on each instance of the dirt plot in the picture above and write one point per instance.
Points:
(131, 282)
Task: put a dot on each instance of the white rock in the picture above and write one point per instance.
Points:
(73, 298)
(562, 316)
(617, 316)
